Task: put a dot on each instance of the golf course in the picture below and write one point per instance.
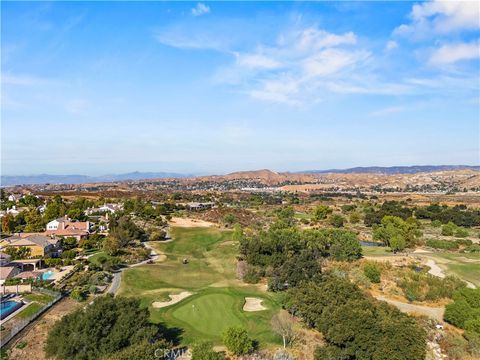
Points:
(195, 288)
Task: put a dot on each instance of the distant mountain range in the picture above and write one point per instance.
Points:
(394, 170)
(10, 180)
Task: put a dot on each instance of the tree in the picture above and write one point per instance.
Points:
(8, 224)
(34, 221)
(397, 233)
(112, 245)
(354, 217)
(144, 350)
(204, 351)
(283, 324)
(372, 272)
(229, 219)
(237, 341)
(449, 229)
(321, 212)
(106, 326)
(336, 220)
(21, 252)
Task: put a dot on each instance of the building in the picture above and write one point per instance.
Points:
(4, 259)
(105, 208)
(68, 228)
(199, 206)
(7, 272)
(39, 245)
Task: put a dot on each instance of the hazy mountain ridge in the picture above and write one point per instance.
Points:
(394, 170)
(265, 175)
(9, 180)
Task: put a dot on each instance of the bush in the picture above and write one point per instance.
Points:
(372, 271)
(336, 220)
(449, 229)
(436, 223)
(442, 244)
(204, 351)
(237, 341)
(461, 233)
(465, 310)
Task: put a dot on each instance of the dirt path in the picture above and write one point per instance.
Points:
(36, 335)
(174, 299)
(432, 312)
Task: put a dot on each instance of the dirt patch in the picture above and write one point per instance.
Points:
(188, 222)
(253, 304)
(174, 299)
(36, 336)
(242, 216)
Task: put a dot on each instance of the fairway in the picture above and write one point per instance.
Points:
(210, 274)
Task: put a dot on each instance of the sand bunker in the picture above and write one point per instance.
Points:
(253, 304)
(435, 270)
(188, 222)
(174, 299)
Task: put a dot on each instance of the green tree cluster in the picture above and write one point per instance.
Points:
(355, 327)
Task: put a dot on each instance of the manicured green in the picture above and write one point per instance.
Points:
(465, 266)
(40, 298)
(210, 274)
(30, 310)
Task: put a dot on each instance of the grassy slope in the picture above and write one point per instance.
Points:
(465, 266)
(210, 274)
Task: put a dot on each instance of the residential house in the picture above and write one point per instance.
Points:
(105, 208)
(7, 272)
(4, 259)
(39, 245)
(68, 228)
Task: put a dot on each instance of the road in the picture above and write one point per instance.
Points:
(432, 312)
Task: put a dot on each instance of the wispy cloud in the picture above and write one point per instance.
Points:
(200, 9)
(452, 53)
(21, 80)
(388, 111)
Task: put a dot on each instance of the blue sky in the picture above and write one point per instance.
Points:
(214, 87)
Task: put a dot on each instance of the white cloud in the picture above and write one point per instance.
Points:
(256, 61)
(452, 53)
(391, 45)
(200, 9)
(440, 17)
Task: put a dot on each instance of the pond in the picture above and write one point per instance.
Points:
(371, 243)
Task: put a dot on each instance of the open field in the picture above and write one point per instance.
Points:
(217, 298)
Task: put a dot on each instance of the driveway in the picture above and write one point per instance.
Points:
(432, 312)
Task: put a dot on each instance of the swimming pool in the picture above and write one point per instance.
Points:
(47, 275)
(8, 307)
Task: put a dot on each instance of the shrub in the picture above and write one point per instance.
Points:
(204, 351)
(449, 229)
(237, 341)
(461, 233)
(336, 220)
(442, 244)
(436, 223)
(372, 271)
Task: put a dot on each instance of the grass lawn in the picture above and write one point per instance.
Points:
(211, 275)
(30, 310)
(376, 251)
(94, 258)
(465, 266)
(40, 298)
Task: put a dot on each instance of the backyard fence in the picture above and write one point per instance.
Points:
(14, 325)
(15, 289)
